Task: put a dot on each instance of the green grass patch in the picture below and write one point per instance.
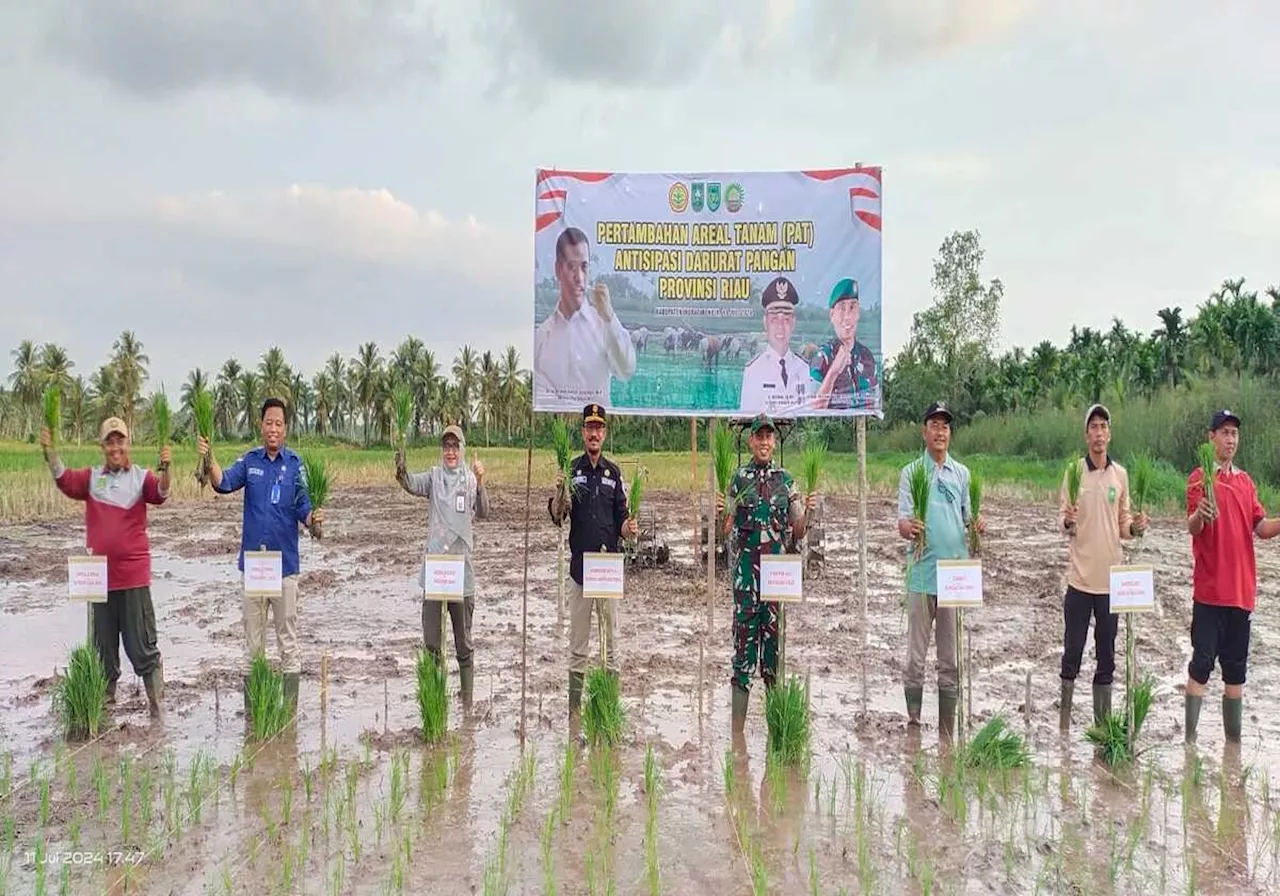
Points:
(80, 696)
(433, 695)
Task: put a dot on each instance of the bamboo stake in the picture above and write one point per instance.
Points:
(1129, 676)
(782, 643)
(961, 666)
(524, 601)
(862, 525)
(712, 521)
(693, 482)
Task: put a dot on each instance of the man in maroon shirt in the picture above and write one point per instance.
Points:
(1224, 576)
(115, 496)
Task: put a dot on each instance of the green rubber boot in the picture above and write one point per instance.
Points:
(741, 700)
(1192, 705)
(1233, 717)
(1101, 702)
(915, 700)
(1064, 705)
(947, 700)
(467, 675)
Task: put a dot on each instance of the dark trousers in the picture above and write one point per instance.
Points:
(127, 615)
(1077, 607)
(1219, 634)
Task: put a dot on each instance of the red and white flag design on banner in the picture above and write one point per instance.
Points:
(553, 193)
(864, 191)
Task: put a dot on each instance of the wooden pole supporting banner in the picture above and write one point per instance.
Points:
(524, 601)
(862, 526)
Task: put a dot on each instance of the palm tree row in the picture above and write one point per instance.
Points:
(346, 398)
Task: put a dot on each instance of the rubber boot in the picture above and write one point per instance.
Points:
(741, 699)
(291, 691)
(575, 692)
(1064, 705)
(467, 675)
(915, 700)
(1101, 702)
(1233, 718)
(1192, 716)
(154, 683)
(111, 692)
(947, 699)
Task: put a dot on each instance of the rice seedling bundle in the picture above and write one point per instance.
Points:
(975, 510)
(433, 695)
(268, 710)
(919, 484)
(202, 410)
(1074, 472)
(1112, 735)
(53, 412)
(636, 494)
(995, 747)
(1141, 476)
(602, 716)
(1208, 465)
(318, 478)
(786, 712)
(564, 457)
(722, 451)
(812, 460)
(403, 400)
(80, 696)
(161, 418)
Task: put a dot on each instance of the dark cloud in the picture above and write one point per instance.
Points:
(297, 48)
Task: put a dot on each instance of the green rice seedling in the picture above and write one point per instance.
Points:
(161, 418)
(402, 398)
(126, 801)
(975, 510)
(102, 786)
(813, 459)
(1074, 475)
(996, 746)
(1142, 473)
(786, 710)
(44, 802)
(919, 485)
(433, 696)
(286, 802)
(41, 865)
(603, 717)
(6, 774)
(53, 412)
(73, 780)
(1112, 736)
(146, 808)
(635, 494)
(564, 452)
(730, 778)
(319, 478)
(268, 710)
(548, 859)
(1208, 462)
(399, 772)
(567, 764)
(73, 828)
(308, 779)
(759, 871)
(722, 450)
(80, 696)
(202, 412)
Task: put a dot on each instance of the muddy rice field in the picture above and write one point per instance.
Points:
(349, 800)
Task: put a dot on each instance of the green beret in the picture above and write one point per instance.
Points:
(845, 289)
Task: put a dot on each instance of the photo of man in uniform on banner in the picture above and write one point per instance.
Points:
(844, 368)
(777, 379)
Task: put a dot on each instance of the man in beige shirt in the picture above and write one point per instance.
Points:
(1096, 524)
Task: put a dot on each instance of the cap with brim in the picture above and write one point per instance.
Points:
(1096, 410)
(110, 425)
(592, 413)
(455, 432)
(845, 289)
(762, 421)
(937, 409)
(1222, 418)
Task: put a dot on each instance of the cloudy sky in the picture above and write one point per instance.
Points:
(225, 175)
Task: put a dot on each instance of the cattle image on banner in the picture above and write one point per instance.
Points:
(721, 295)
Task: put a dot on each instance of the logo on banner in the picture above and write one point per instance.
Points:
(698, 195)
(734, 197)
(678, 197)
(713, 197)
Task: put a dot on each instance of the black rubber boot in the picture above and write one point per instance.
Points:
(741, 700)
(575, 692)
(154, 683)
(111, 692)
(915, 701)
(1233, 718)
(1192, 716)
(291, 691)
(1101, 702)
(947, 700)
(1064, 705)
(467, 676)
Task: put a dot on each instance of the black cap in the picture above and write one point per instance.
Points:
(1222, 418)
(780, 289)
(592, 413)
(937, 409)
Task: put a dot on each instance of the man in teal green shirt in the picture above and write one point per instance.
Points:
(945, 538)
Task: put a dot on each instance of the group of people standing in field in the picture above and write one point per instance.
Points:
(763, 513)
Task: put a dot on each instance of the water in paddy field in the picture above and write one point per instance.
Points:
(350, 801)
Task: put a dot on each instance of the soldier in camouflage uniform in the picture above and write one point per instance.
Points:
(766, 502)
(844, 370)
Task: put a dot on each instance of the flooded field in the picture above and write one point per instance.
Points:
(349, 801)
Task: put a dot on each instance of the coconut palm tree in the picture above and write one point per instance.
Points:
(26, 381)
(75, 405)
(466, 379)
(425, 385)
(274, 378)
(325, 401)
(367, 364)
(226, 397)
(130, 363)
(247, 392)
(55, 367)
(510, 384)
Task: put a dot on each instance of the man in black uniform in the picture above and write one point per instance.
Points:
(596, 506)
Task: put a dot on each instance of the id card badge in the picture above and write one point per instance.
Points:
(460, 503)
(275, 493)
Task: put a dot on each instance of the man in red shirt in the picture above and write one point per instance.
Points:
(1224, 576)
(115, 496)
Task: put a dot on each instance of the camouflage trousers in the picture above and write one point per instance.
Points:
(755, 639)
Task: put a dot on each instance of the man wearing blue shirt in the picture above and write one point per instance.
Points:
(275, 503)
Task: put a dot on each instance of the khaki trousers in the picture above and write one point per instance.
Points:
(922, 612)
(284, 611)
(580, 628)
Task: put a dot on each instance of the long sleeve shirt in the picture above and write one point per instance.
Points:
(1102, 521)
(115, 518)
(945, 520)
(275, 503)
(774, 383)
(574, 357)
(597, 510)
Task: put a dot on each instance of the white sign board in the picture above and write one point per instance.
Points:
(444, 577)
(602, 575)
(87, 579)
(263, 574)
(960, 583)
(1133, 589)
(781, 578)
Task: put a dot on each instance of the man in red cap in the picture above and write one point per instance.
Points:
(115, 496)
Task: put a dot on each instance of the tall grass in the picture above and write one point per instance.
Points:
(433, 694)
(80, 696)
(269, 712)
(786, 712)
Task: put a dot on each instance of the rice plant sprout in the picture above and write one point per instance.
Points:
(1074, 472)
(269, 712)
(161, 418)
(975, 510)
(403, 399)
(1117, 733)
(786, 712)
(53, 412)
(996, 747)
(80, 696)
(1208, 462)
(433, 694)
(636, 495)
(318, 479)
(603, 716)
(202, 411)
(919, 484)
(722, 451)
